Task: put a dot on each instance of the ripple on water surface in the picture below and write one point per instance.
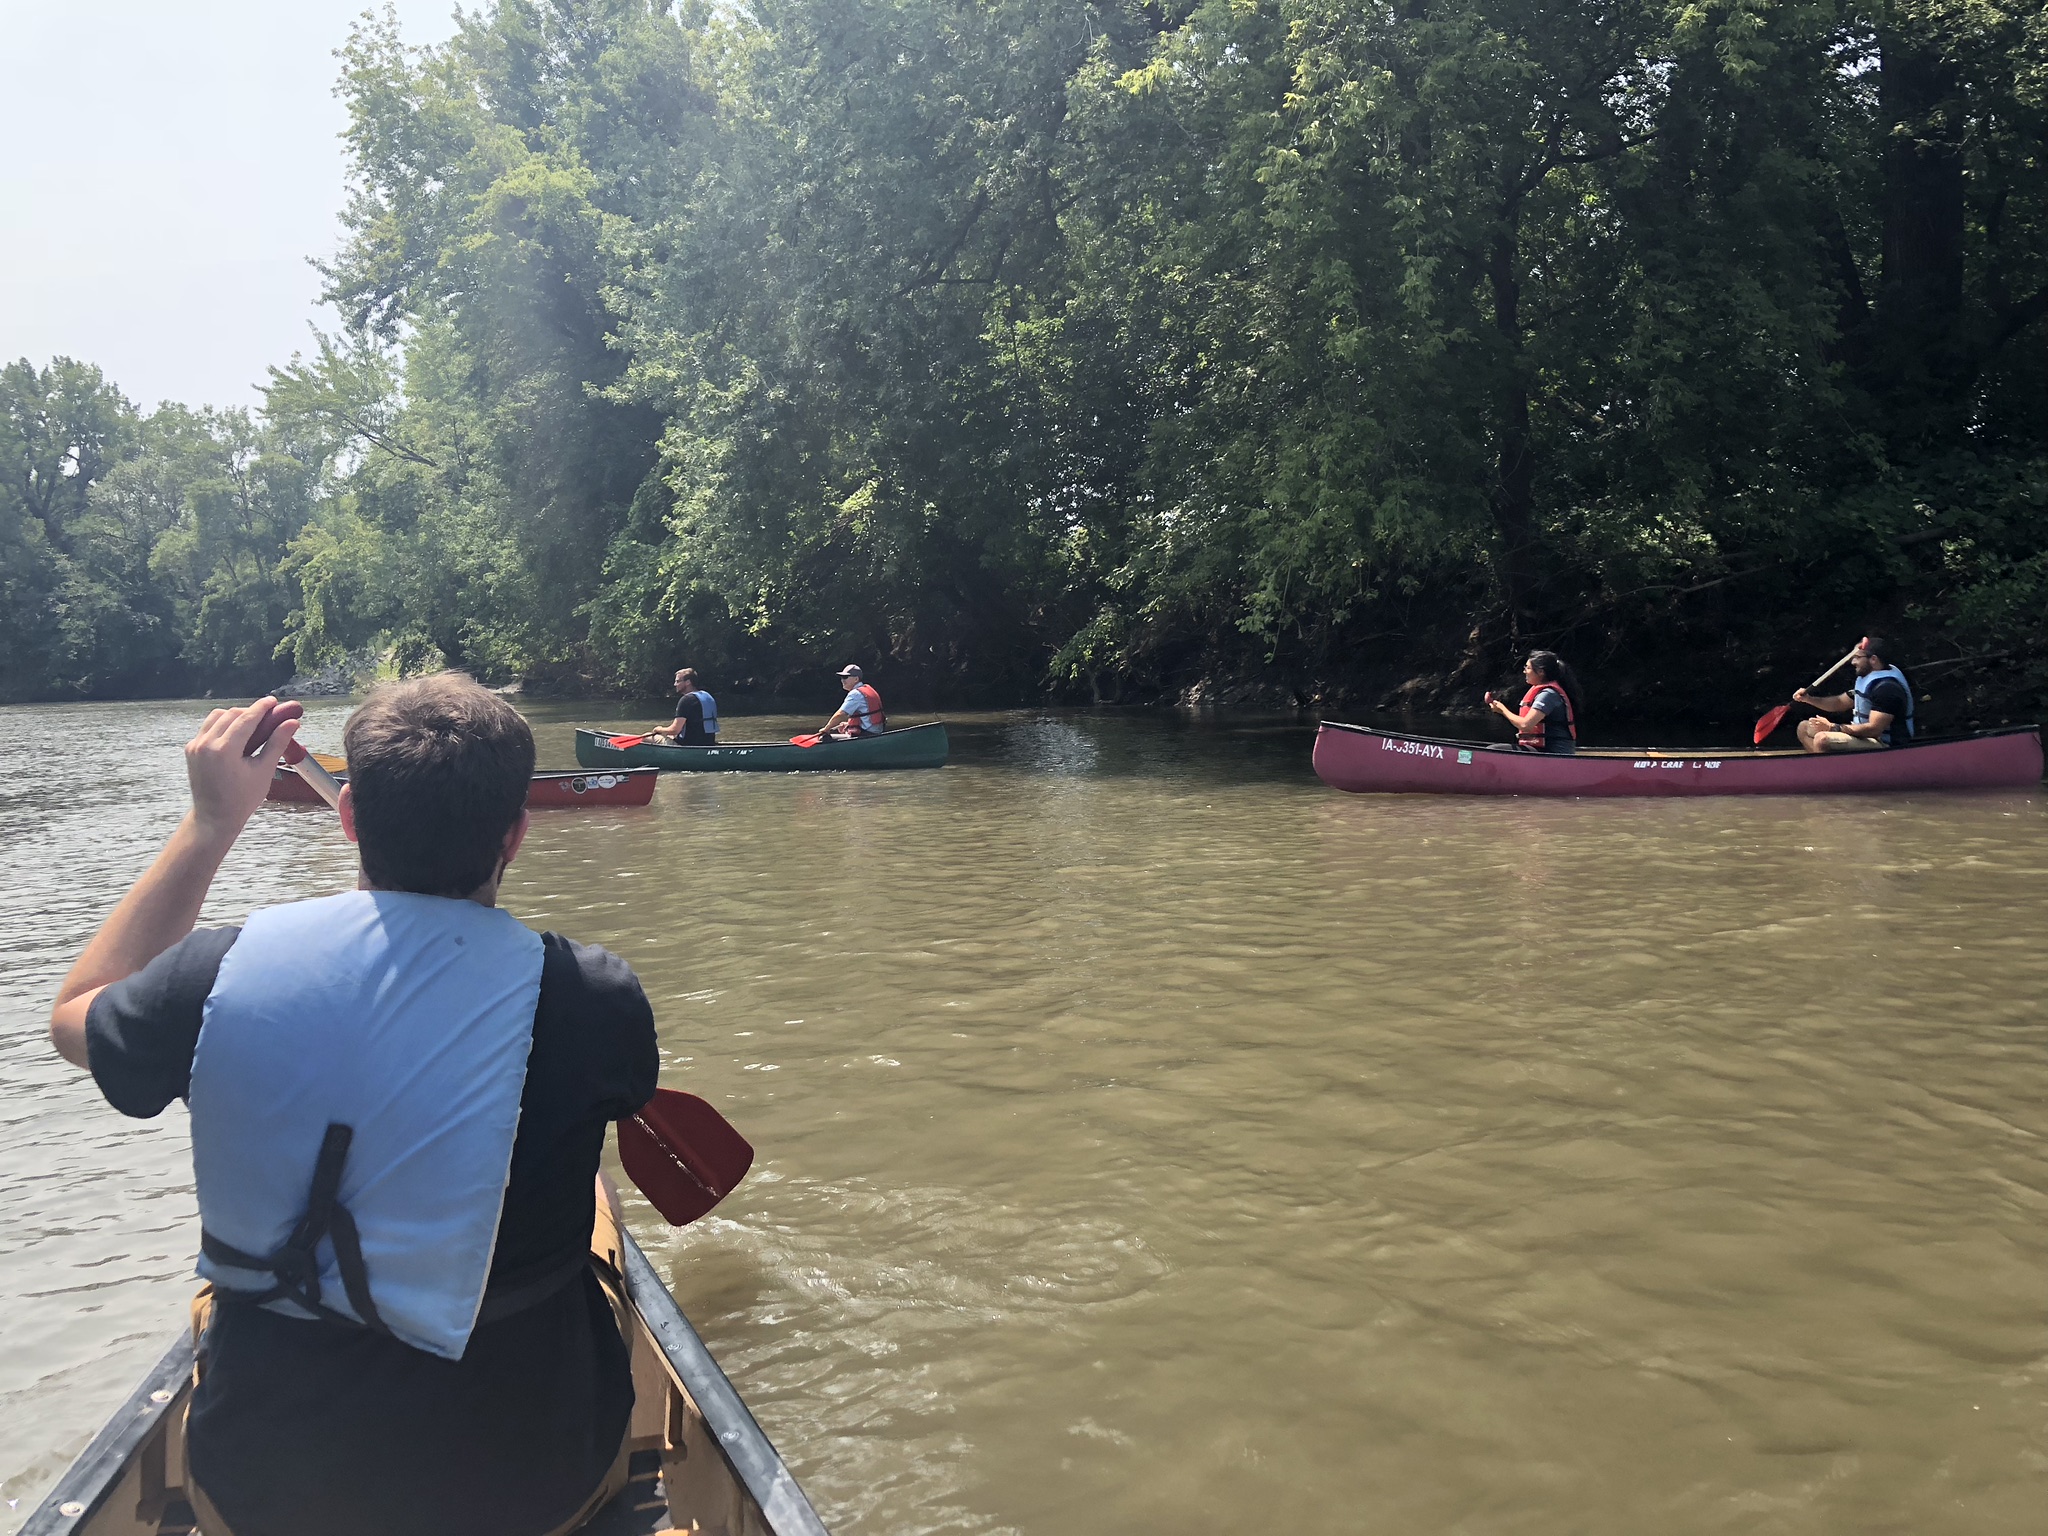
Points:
(1151, 1140)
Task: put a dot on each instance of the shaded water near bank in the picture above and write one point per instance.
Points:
(1152, 1140)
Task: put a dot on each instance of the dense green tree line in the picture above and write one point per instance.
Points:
(140, 554)
(1321, 345)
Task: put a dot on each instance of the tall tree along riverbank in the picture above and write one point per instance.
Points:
(1327, 348)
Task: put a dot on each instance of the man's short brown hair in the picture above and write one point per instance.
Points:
(439, 770)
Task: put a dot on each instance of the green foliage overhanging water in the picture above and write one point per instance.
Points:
(1318, 346)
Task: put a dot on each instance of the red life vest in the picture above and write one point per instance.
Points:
(880, 721)
(1534, 738)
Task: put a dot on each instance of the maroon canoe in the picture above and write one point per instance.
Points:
(1367, 761)
(550, 791)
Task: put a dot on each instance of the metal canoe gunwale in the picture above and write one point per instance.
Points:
(741, 1440)
(91, 1480)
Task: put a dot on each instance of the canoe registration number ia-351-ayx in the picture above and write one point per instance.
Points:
(1412, 748)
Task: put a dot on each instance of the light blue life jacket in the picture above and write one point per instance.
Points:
(1901, 730)
(355, 1096)
(710, 712)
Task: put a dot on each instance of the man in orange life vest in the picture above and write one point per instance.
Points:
(859, 714)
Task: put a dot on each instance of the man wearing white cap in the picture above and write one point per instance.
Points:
(859, 714)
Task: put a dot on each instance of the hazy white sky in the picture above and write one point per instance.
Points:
(166, 167)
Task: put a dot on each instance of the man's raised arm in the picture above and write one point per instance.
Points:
(160, 909)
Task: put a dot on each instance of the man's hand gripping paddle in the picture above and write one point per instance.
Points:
(296, 757)
(684, 1155)
(1774, 718)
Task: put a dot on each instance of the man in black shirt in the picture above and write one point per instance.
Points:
(465, 1373)
(1880, 706)
(696, 721)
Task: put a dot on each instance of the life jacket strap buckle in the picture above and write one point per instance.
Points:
(296, 1263)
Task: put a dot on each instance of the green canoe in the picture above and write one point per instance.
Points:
(917, 746)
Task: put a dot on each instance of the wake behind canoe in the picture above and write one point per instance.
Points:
(550, 791)
(700, 1462)
(916, 746)
(1364, 760)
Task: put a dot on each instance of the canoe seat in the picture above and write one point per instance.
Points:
(641, 1509)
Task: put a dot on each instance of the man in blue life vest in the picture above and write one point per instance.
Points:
(1880, 706)
(398, 1100)
(696, 721)
(859, 713)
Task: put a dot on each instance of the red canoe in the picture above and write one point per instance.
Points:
(1365, 761)
(550, 792)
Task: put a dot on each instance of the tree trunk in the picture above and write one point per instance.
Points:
(1921, 357)
(1514, 483)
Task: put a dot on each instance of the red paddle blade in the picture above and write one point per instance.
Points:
(623, 742)
(805, 741)
(1770, 722)
(684, 1155)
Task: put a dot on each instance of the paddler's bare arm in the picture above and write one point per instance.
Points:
(161, 907)
(1521, 722)
(1833, 704)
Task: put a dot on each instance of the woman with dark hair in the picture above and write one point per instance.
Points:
(1549, 718)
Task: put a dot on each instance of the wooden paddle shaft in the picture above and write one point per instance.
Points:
(307, 767)
(1847, 657)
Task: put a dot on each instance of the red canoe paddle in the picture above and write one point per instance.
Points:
(1776, 717)
(805, 741)
(684, 1155)
(623, 742)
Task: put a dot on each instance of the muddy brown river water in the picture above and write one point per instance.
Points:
(1153, 1141)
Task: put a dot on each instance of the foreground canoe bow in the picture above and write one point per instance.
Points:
(1363, 760)
(550, 791)
(700, 1462)
(916, 746)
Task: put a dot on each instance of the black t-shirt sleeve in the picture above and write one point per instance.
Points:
(691, 708)
(141, 1031)
(594, 1060)
(1888, 697)
(618, 1026)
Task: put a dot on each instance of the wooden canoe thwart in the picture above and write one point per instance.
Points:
(1363, 760)
(700, 1462)
(916, 746)
(550, 791)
